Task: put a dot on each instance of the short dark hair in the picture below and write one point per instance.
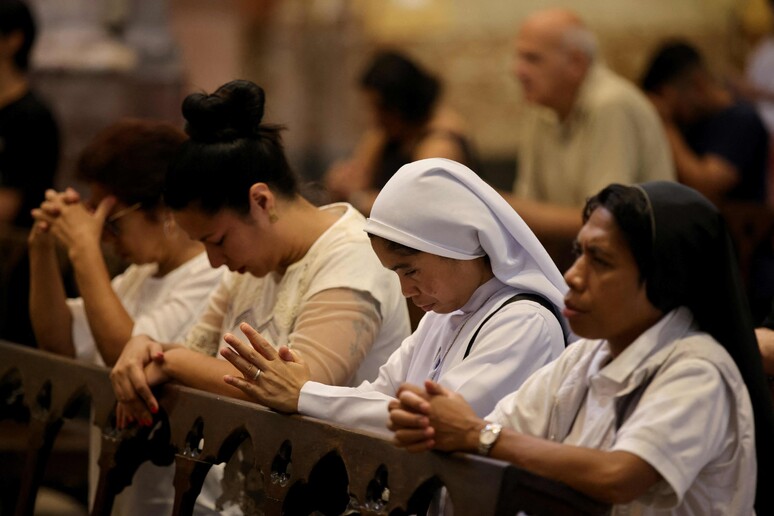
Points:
(672, 61)
(631, 212)
(402, 86)
(16, 16)
(130, 159)
(228, 151)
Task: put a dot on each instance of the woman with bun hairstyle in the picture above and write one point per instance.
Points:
(304, 276)
(164, 289)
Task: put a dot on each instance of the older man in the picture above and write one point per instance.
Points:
(586, 128)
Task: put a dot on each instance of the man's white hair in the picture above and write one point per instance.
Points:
(582, 39)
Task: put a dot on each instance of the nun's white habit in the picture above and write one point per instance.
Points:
(443, 208)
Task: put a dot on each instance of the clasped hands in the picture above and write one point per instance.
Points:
(433, 417)
(63, 215)
(270, 377)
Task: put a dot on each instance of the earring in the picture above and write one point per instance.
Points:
(273, 217)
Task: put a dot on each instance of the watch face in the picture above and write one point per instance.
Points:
(488, 437)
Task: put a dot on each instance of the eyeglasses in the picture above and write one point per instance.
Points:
(110, 222)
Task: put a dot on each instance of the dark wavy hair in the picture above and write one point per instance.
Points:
(130, 159)
(229, 149)
(402, 86)
(15, 15)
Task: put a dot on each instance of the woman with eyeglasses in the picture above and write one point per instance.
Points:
(169, 279)
(166, 285)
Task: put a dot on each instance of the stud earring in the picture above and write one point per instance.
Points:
(273, 217)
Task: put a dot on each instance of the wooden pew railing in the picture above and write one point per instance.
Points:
(306, 465)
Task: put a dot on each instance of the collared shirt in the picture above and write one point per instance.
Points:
(515, 342)
(612, 135)
(693, 423)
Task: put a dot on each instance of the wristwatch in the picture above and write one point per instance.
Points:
(487, 437)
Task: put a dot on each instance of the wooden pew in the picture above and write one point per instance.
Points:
(305, 464)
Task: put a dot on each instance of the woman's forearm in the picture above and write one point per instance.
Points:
(200, 371)
(110, 323)
(51, 319)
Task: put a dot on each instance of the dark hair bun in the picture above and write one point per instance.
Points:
(234, 111)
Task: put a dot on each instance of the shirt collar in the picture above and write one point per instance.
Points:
(646, 353)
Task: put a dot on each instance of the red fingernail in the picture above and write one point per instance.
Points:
(154, 409)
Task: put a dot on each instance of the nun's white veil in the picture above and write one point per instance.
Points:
(441, 207)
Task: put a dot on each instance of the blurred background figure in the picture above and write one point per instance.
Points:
(588, 127)
(29, 141)
(29, 153)
(720, 147)
(408, 123)
(759, 68)
(757, 82)
(719, 144)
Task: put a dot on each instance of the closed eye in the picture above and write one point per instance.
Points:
(576, 249)
(217, 243)
(598, 257)
(594, 254)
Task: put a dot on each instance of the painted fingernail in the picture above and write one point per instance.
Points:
(154, 409)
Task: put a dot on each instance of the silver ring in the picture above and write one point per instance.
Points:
(257, 374)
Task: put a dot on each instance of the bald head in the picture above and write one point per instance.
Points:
(554, 50)
(561, 28)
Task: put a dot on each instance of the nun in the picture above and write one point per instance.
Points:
(657, 410)
(489, 289)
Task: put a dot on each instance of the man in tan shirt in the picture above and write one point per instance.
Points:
(585, 127)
